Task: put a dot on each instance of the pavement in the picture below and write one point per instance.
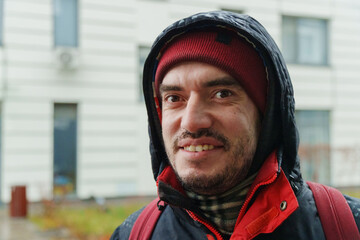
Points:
(17, 228)
(23, 229)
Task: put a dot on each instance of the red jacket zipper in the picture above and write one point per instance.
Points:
(211, 228)
(216, 232)
(248, 199)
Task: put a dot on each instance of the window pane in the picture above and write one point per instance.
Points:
(1, 21)
(65, 149)
(314, 147)
(143, 53)
(304, 40)
(289, 38)
(1, 145)
(312, 40)
(66, 23)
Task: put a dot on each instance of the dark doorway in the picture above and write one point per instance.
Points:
(65, 149)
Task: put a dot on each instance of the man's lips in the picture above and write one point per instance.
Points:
(199, 145)
(199, 148)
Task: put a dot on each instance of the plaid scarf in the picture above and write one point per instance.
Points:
(223, 210)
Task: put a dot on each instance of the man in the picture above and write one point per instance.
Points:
(223, 135)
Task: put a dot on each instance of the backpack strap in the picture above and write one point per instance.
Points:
(146, 222)
(335, 214)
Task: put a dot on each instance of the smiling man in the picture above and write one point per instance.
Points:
(223, 138)
(210, 127)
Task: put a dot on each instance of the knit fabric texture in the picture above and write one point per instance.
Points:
(224, 209)
(222, 49)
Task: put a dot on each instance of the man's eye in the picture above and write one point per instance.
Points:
(172, 98)
(223, 94)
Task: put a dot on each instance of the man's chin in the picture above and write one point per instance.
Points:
(203, 184)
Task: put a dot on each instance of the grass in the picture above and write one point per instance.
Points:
(91, 222)
(352, 193)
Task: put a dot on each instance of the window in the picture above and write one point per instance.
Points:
(143, 53)
(314, 149)
(305, 40)
(66, 23)
(65, 149)
(1, 131)
(1, 21)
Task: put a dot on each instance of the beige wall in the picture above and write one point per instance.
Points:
(113, 156)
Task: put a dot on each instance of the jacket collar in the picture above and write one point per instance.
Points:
(273, 204)
(269, 202)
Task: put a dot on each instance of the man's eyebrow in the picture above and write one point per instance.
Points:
(226, 81)
(167, 88)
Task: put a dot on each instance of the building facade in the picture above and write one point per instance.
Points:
(72, 116)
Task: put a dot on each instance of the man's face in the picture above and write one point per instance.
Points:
(210, 127)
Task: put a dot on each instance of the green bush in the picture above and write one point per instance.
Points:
(91, 222)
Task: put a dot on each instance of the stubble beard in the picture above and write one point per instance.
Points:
(242, 152)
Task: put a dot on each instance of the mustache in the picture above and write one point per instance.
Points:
(203, 133)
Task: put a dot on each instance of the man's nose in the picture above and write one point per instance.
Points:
(196, 115)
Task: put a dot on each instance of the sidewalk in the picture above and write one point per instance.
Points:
(24, 229)
(17, 228)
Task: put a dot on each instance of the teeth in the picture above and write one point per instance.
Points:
(198, 148)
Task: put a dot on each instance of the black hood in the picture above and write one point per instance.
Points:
(278, 124)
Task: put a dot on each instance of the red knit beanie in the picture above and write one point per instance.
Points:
(224, 50)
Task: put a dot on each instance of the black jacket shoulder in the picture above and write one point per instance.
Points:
(354, 204)
(174, 223)
(123, 231)
(304, 223)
